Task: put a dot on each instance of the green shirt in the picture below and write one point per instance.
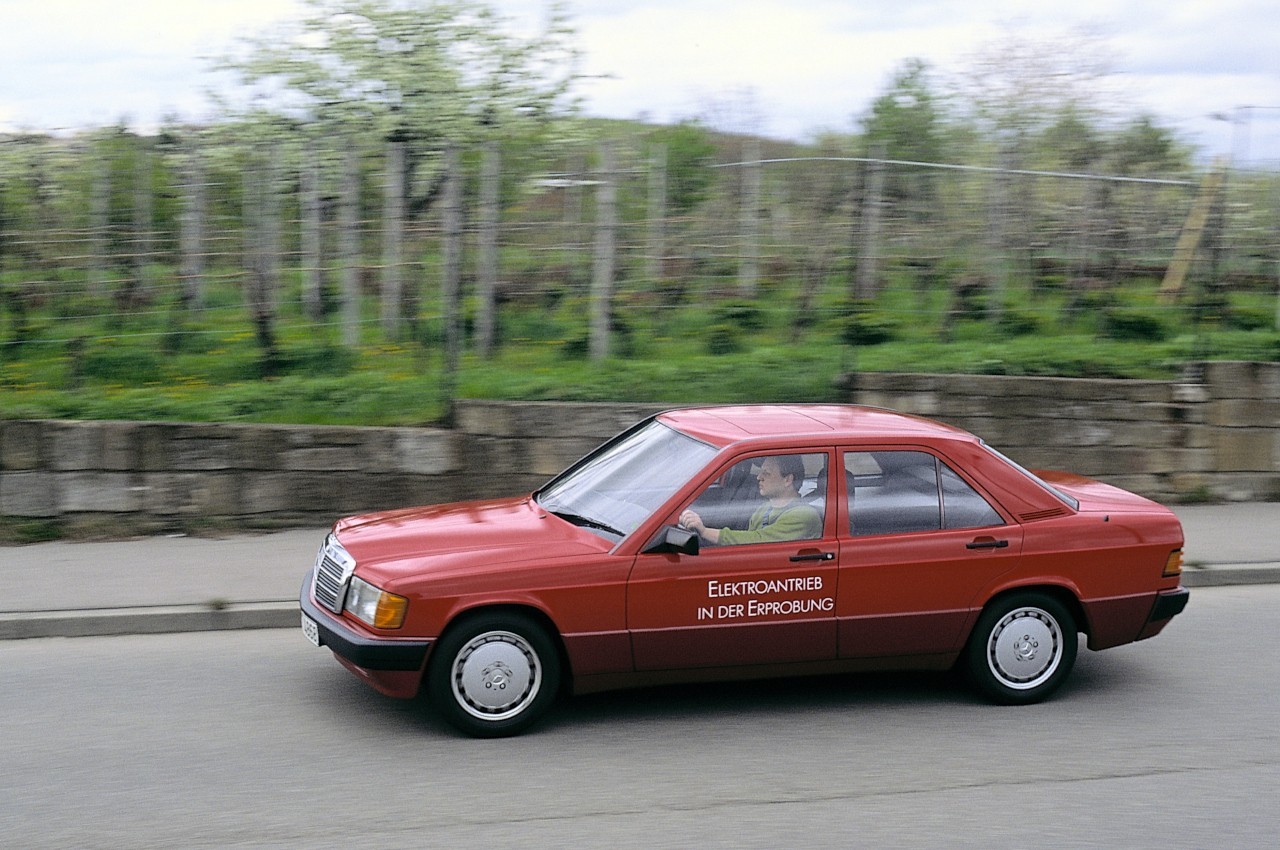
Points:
(794, 521)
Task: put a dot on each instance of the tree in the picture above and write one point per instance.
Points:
(907, 118)
(424, 74)
(689, 152)
(1143, 148)
(1020, 84)
(1073, 141)
(905, 123)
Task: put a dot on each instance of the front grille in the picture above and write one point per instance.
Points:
(334, 567)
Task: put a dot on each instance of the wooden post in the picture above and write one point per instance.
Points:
(1184, 253)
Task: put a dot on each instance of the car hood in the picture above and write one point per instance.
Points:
(441, 537)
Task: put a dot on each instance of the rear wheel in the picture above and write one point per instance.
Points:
(494, 674)
(1022, 649)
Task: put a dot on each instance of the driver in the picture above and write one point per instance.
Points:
(782, 516)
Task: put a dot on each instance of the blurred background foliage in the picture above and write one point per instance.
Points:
(401, 205)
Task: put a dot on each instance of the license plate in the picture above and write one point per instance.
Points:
(311, 630)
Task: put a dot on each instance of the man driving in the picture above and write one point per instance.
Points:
(782, 516)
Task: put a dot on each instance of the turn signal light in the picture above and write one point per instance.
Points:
(390, 611)
(1173, 566)
(374, 606)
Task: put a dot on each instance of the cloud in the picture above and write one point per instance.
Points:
(798, 65)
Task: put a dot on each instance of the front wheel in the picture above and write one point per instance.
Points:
(1022, 648)
(494, 675)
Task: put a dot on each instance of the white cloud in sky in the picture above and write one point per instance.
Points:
(806, 64)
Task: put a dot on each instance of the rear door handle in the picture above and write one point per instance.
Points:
(813, 556)
(987, 543)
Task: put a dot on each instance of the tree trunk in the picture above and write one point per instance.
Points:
(749, 270)
(452, 276)
(657, 215)
(393, 243)
(262, 245)
(867, 282)
(605, 254)
(1000, 209)
(130, 292)
(192, 238)
(349, 246)
(100, 222)
(487, 262)
(311, 237)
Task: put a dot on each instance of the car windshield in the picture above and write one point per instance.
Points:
(615, 489)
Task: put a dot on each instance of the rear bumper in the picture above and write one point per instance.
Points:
(357, 649)
(1168, 604)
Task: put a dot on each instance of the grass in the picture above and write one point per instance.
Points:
(708, 347)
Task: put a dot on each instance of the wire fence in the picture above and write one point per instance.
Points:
(138, 238)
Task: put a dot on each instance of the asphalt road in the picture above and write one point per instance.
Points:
(255, 739)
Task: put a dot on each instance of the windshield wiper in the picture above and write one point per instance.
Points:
(586, 522)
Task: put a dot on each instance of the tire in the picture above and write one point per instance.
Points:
(1022, 648)
(494, 674)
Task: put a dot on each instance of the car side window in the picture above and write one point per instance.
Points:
(766, 499)
(897, 492)
(963, 506)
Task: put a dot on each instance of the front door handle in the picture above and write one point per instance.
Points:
(987, 543)
(813, 556)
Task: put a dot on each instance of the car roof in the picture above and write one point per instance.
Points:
(723, 426)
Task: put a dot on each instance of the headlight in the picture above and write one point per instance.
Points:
(375, 606)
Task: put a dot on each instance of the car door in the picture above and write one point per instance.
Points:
(744, 603)
(918, 542)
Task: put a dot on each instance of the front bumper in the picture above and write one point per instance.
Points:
(355, 648)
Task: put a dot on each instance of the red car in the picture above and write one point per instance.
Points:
(740, 542)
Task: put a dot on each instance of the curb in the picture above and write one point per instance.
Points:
(283, 614)
(1224, 575)
(148, 620)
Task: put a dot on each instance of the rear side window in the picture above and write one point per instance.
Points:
(898, 492)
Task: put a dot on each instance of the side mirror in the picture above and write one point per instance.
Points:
(674, 539)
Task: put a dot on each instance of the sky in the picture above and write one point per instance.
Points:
(786, 68)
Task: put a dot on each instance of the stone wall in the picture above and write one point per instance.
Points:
(1214, 434)
(149, 476)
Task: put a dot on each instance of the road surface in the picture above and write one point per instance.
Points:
(256, 739)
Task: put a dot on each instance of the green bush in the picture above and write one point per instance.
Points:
(743, 315)
(724, 338)
(576, 348)
(19, 530)
(1130, 325)
(1016, 323)
(330, 360)
(1250, 319)
(863, 325)
(128, 367)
